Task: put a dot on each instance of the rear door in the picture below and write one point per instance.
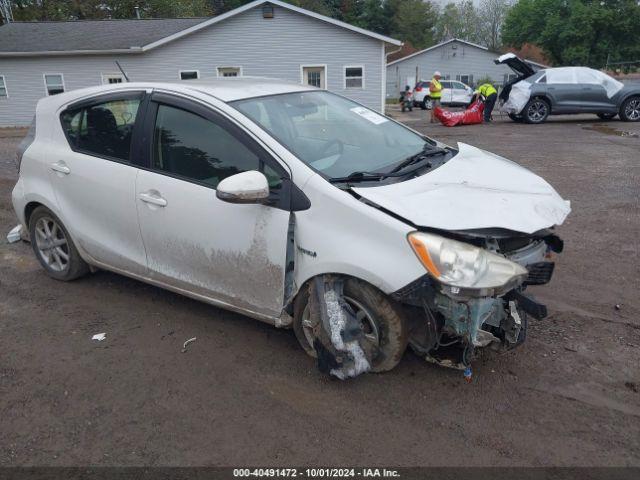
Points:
(447, 94)
(234, 254)
(562, 87)
(94, 172)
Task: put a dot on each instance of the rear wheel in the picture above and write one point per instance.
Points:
(382, 322)
(427, 104)
(536, 111)
(606, 116)
(630, 109)
(53, 246)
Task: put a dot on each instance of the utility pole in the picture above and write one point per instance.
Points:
(5, 11)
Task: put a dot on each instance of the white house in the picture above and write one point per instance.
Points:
(455, 59)
(263, 38)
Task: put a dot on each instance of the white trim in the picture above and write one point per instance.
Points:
(437, 46)
(55, 53)
(180, 72)
(239, 67)
(105, 76)
(256, 3)
(326, 77)
(46, 88)
(4, 84)
(344, 77)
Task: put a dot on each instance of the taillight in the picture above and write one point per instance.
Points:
(418, 89)
(24, 144)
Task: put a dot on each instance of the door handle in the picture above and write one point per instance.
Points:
(153, 198)
(60, 167)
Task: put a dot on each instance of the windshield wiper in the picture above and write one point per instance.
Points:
(358, 177)
(363, 176)
(418, 157)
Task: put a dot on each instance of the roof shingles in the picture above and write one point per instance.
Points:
(89, 35)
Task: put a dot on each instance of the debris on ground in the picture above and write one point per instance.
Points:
(339, 339)
(99, 337)
(618, 307)
(15, 234)
(184, 345)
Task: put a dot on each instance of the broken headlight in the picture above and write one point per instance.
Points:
(462, 265)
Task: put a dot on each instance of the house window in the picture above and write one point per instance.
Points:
(353, 77)
(54, 83)
(111, 78)
(229, 71)
(3, 88)
(189, 74)
(466, 79)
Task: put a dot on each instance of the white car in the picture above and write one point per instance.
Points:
(454, 93)
(255, 195)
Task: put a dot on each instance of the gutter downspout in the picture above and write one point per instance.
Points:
(385, 61)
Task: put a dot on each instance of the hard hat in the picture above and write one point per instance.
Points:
(437, 74)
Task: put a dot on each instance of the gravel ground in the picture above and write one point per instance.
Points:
(245, 393)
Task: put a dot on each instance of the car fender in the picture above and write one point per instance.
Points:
(340, 234)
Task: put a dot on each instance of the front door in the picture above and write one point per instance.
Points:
(314, 76)
(94, 180)
(231, 253)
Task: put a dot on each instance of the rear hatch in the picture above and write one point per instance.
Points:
(520, 67)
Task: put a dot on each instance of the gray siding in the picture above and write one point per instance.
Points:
(273, 48)
(462, 60)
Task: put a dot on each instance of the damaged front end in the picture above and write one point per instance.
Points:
(474, 293)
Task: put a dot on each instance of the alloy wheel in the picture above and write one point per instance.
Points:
(369, 327)
(632, 110)
(52, 245)
(537, 111)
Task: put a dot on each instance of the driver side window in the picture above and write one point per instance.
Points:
(102, 129)
(192, 147)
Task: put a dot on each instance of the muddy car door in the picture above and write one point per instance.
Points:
(233, 254)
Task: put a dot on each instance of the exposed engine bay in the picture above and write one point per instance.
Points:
(448, 324)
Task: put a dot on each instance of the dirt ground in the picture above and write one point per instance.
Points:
(245, 393)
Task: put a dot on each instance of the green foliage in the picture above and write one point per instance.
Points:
(577, 32)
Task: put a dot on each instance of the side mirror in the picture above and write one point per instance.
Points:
(245, 187)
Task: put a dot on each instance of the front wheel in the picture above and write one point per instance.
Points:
(630, 110)
(54, 247)
(536, 111)
(381, 319)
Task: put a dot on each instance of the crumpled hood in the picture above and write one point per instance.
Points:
(475, 189)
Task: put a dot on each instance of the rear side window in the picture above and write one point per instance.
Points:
(192, 147)
(103, 129)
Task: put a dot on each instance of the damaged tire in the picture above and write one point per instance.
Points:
(382, 321)
(536, 111)
(54, 247)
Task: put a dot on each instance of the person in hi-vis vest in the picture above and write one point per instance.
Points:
(435, 93)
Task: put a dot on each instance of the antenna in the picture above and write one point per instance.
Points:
(5, 11)
(124, 74)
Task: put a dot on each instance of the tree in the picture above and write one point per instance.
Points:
(413, 21)
(491, 15)
(459, 21)
(576, 32)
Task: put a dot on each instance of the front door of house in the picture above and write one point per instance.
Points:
(314, 76)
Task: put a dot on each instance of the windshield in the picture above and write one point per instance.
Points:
(333, 135)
